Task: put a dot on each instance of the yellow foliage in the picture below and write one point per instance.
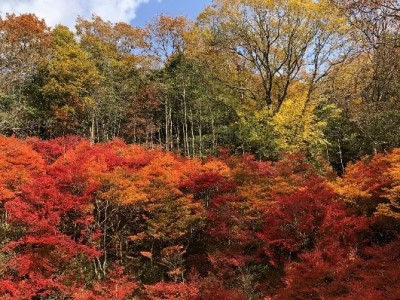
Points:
(351, 192)
(217, 167)
(392, 209)
(297, 126)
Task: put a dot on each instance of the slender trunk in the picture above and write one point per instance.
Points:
(151, 137)
(214, 146)
(92, 128)
(97, 130)
(171, 130)
(159, 137)
(166, 126)
(327, 154)
(200, 135)
(178, 141)
(192, 132)
(186, 139)
(340, 155)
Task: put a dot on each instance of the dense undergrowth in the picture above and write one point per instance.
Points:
(117, 221)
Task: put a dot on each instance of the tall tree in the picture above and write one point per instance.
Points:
(366, 89)
(276, 43)
(117, 50)
(24, 42)
(64, 87)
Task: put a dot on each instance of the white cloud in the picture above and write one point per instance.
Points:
(65, 11)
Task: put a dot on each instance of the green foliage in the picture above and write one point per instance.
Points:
(257, 134)
(62, 89)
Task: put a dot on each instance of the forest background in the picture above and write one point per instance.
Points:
(261, 77)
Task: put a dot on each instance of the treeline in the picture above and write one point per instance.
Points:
(116, 221)
(264, 77)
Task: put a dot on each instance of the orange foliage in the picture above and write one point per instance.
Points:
(231, 227)
(19, 164)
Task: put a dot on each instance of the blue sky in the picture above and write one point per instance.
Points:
(189, 8)
(136, 12)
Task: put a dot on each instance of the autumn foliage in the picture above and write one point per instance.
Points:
(118, 221)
